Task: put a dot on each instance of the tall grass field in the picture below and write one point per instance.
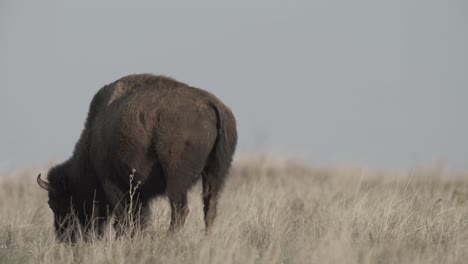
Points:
(271, 211)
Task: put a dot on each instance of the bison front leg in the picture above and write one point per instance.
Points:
(130, 214)
(179, 210)
(94, 222)
(131, 219)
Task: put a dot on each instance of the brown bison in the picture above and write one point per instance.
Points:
(168, 133)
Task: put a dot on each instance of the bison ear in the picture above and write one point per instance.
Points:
(43, 184)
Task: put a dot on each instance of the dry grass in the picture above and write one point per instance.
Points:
(272, 211)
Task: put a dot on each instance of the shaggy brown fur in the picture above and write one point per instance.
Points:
(170, 133)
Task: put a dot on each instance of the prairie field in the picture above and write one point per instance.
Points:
(272, 210)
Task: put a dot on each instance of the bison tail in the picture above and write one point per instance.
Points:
(226, 140)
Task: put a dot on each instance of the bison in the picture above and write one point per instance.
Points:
(145, 135)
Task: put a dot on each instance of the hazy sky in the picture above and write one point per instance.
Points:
(379, 83)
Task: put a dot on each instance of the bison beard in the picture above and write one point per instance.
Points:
(144, 136)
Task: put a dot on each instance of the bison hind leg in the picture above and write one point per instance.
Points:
(211, 188)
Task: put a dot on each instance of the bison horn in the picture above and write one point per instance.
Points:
(43, 184)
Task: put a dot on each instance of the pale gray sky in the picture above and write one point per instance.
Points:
(380, 83)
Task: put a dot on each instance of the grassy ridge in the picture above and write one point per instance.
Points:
(272, 211)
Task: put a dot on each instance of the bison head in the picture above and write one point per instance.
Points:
(61, 203)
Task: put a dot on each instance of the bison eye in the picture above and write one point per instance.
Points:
(51, 204)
